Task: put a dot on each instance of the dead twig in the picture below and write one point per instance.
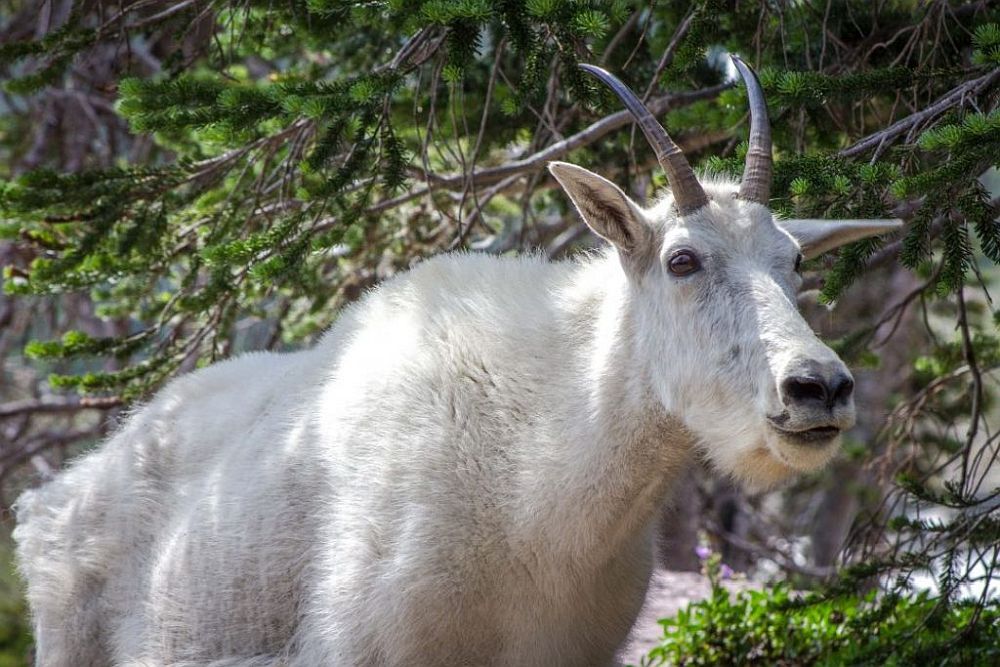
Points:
(58, 404)
(957, 96)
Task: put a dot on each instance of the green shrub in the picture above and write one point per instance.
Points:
(15, 633)
(778, 627)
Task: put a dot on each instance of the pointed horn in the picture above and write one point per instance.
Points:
(688, 193)
(757, 174)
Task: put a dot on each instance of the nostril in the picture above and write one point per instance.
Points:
(802, 389)
(843, 388)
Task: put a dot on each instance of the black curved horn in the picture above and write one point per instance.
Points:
(758, 171)
(688, 193)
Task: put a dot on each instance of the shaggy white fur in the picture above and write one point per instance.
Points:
(464, 471)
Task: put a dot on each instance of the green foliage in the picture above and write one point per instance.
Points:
(297, 152)
(15, 631)
(987, 45)
(78, 343)
(183, 242)
(449, 11)
(58, 49)
(816, 89)
(973, 129)
(777, 627)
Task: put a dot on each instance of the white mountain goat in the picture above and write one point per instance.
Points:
(466, 470)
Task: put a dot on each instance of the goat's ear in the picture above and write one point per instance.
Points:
(609, 212)
(818, 236)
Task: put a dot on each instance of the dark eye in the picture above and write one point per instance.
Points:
(798, 264)
(683, 263)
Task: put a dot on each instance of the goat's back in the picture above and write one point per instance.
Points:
(178, 505)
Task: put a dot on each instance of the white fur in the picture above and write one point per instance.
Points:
(464, 471)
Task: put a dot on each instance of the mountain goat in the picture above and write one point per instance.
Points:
(467, 468)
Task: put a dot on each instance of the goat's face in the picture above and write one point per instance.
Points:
(717, 332)
(712, 280)
(727, 347)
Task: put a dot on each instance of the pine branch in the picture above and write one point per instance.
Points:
(539, 159)
(589, 135)
(957, 96)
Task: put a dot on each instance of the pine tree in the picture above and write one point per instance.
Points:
(201, 177)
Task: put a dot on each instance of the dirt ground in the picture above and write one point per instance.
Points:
(668, 592)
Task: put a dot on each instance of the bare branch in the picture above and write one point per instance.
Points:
(956, 97)
(668, 54)
(58, 404)
(589, 135)
(538, 160)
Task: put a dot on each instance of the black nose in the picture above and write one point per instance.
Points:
(804, 389)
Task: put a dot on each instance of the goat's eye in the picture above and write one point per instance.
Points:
(798, 263)
(683, 263)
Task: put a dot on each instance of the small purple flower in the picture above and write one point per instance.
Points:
(702, 552)
(726, 572)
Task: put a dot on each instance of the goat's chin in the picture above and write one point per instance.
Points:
(805, 457)
(775, 461)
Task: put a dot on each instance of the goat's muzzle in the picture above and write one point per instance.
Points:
(818, 403)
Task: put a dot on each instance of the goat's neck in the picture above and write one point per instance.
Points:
(622, 450)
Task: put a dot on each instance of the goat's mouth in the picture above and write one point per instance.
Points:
(818, 435)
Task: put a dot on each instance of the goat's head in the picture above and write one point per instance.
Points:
(712, 279)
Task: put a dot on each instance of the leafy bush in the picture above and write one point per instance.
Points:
(780, 627)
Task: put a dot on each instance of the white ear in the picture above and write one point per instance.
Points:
(818, 236)
(608, 211)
